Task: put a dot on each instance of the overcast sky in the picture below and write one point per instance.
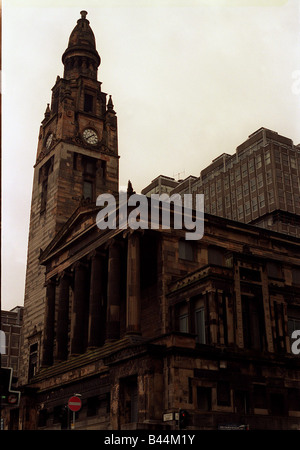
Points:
(189, 80)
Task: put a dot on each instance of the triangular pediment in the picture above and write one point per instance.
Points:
(82, 220)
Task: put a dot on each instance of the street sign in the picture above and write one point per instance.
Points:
(74, 404)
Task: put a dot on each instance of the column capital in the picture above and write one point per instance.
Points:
(64, 274)
(51, 281)
(96, 254)
(129, 232)
(113, 242)
(80, 264)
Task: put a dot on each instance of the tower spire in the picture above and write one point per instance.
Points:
(81, 56)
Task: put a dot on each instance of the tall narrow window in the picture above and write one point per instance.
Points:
(200, 321)
(129, 400)
(183, 319)
(252, 323)
(204, 398)
(33, 357)
(102, 169)
(44, 195)
(223, 393)
(88, 103)
(89, 173)
(293, 320)
(88, 190)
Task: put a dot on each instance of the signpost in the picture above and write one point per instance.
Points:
(8, 396)
(74, 404)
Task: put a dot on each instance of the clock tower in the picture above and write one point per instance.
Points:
(77, 159)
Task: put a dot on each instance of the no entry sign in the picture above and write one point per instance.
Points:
(74, 404)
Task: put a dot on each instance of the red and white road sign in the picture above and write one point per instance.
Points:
(74, 404)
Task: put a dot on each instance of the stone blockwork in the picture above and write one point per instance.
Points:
(142, 323)
(77, 159)
(209, 327)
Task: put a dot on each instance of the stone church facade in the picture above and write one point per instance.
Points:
(143, 323)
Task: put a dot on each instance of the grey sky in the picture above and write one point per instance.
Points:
(188, 83)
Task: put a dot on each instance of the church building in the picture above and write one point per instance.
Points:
(143, 324)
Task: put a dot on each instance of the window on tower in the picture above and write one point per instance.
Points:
(44, 195)
(87, 190)
(88, 103)
(89, 173)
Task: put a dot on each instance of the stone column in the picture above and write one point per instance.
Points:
(61, 353)
(97, 307)
(133, 301)
(80, 309)
(113, 292)
(48, 342)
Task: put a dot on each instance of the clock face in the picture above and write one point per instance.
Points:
(90, 136)
(49, 140)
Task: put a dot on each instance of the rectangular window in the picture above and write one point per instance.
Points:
(129, 400)
(252, 323)
(287, 178)
(223, 393)
(184, 323)
(240, 212)
(204, 398)
(259, 180)
(254, 204)
(285, 160)
(293, 162)
(277, 404)
(271, 197)
(252, 184)
(215, 256)
(33, 359)
(88, 103)
(244, 170)
(277, 156)
(258, 161)
(261, 199)
(241, 402)
(267, 157)
(246, 188)
(44, 195)
(102, 169)
(247, 208)
(93, 404)
(269, 176)
(274, 270)
(88, 190)
(260, 396)
(296, 276)
(293, 319)
(186, 250)
(200, 321)
(293, 399)
(182, 317)
(251, 165)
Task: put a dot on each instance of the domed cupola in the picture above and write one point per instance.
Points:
(81, 56)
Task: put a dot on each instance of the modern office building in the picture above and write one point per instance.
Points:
(11, 324)
(259, 184)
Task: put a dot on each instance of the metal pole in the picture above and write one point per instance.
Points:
(73, 420)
